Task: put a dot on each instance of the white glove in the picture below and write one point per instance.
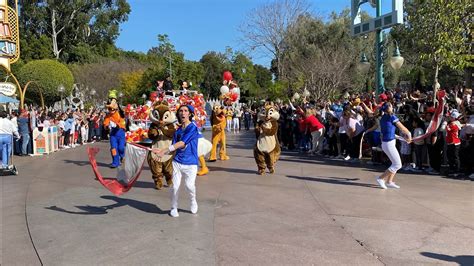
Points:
(112, 124)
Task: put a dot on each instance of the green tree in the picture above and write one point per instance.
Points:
(104, 74)
(130, 86)
(442, 30)
(263, 78)
(46, 76)
(69, 23)
(322, 56)
(214, 64)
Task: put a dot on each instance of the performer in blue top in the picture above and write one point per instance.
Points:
(185, 162)
(388, 124)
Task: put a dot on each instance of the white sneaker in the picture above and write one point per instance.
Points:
(381, 183)
(347, 158)
(392, 185)
(174, 213)
(194, 207)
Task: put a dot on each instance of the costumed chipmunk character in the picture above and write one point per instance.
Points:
(161, 133)
(218, 122)
(267, 150)
(115, 120)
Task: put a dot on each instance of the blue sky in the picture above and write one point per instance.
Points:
(198, 26)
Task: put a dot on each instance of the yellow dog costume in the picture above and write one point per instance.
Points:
(218, 122)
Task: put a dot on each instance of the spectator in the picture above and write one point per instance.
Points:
(453, 141)
(7, 130)
(24, 131)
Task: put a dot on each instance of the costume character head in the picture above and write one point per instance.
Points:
(268, 113)
(161, 114)
(113, 105)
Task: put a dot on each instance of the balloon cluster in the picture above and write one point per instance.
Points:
(230, 92)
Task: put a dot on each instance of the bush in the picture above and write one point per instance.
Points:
(47, 75)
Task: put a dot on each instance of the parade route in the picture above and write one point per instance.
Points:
(311, 211)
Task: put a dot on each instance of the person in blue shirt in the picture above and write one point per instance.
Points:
(185, 161)
(388, 124)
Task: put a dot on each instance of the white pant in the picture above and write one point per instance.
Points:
(235, 124)
(317, 140)
(392, 153)
(189, 172)
(229, 125)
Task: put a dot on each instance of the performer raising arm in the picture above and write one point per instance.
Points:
(185, 162)
(388, 123)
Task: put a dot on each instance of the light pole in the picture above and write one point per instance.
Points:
(61, 90)
(379, 51)
(93, 93)
(377, 24)
(396, 62)
(144, 98)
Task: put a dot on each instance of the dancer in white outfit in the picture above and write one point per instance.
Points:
(185, 162)
(388, 124)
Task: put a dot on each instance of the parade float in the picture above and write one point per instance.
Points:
(138, 117)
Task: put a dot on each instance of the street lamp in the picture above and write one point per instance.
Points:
(396, 61)
(144, 98)
(377, 24)
(61, 90)
(364, 64)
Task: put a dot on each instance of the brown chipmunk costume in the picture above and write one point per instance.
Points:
(218, 122)
(267, 150)
(161, 133)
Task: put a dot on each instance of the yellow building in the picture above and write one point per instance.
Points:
(9, 34)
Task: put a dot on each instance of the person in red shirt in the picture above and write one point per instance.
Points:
(454, 142)
(316, 129)
(303, 139)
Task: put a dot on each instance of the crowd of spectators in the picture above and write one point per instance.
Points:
(75, 127)
(348, 129)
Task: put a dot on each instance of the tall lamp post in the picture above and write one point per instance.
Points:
(144, 98)
(396, 62)
(377, 24)
(61, 90)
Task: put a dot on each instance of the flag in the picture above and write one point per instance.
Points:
(128, 172)
(435, 121)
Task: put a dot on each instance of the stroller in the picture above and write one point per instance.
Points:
(11, 169)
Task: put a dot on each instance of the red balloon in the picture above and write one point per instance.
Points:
(227, 76)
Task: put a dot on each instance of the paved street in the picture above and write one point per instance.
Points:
(310, 212)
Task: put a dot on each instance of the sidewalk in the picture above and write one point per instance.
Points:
(310, 212)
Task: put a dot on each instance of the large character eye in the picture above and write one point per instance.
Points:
(156, 114)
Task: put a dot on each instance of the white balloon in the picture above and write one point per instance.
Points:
(224, 89)
(236, 90)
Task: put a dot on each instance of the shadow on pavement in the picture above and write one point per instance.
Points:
(461, 260)
(84, 163)
(120, 202)
(231, 170)
(100, 164)
(334, 180)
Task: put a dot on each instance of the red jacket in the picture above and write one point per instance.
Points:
(452, 133)
(313, 124)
